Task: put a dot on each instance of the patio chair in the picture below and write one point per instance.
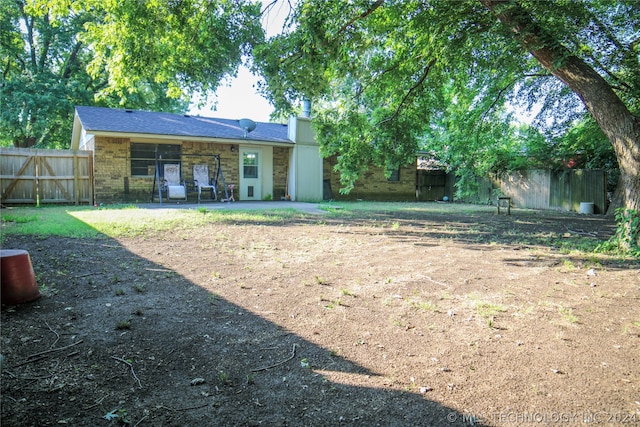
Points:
(201, 181)
(171, 182)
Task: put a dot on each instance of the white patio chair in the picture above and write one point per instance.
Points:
(174, 187)
(202, 181)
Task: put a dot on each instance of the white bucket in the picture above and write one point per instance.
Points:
(586, 208)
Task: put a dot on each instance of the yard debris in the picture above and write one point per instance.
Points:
(197, 381)
(293, 354)
(133, 373)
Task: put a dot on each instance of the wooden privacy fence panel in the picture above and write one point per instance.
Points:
(528, 189)
(564, 190)
(569, 189)
(31, 176)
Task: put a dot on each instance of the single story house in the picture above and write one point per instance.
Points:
(133, 149)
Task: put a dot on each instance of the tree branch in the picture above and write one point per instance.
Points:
(410, 92)
(363, 15)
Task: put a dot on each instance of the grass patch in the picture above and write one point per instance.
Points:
(124, 220)
(424, 305)
(123, 325)
(488, 310)
(567, 315)
(132, 221)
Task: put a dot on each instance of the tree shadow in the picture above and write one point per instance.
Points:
(117, 339)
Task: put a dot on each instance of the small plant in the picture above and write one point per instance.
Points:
(250, 378)
(213, 298)
(224, 377)
(347, 292)
(568, 266)
(123, 325)
(119, 292)
(320, 281)
(425, 305)
(139, 288)
(202, 209)
(488, 310)
(490, 323)
(395, 225)
(119, 415)
(567, 314)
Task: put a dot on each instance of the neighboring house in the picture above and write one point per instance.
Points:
(272, 161)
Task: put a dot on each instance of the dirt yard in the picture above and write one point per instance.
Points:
(408, 318)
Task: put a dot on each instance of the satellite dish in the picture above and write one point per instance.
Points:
(248, 125)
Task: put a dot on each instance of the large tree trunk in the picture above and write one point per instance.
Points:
(612, 115)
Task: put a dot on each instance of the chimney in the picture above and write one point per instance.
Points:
(306, 108)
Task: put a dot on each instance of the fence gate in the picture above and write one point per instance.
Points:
(431, 185)
(31, 176)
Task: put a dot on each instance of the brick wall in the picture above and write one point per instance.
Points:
(280, 168)
(111, 167)
(114, 183)
(373, 184)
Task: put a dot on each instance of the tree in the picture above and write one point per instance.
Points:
(55, 54)
(36, 87)
(382, 70)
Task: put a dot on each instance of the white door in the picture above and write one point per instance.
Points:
(250, 174)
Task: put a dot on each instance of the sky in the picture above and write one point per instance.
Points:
(238, 97)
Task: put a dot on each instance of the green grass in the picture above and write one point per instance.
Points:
(567, 314)
(123, 221)
(131, 221)
(487, 309)
(424, 305)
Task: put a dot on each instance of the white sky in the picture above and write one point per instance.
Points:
(238, 98)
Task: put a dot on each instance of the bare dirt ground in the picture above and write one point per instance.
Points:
(389, 319)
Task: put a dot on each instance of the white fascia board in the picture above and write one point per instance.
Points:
(142, 137)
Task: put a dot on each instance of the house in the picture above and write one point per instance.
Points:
(261, 160)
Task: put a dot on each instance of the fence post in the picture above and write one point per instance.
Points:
(76, 179)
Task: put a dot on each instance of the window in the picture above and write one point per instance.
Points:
(143, 157)
(250, 164)
(395, 175)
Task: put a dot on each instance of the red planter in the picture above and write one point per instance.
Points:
(18, 281)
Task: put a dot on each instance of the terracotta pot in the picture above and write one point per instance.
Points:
(18, 281)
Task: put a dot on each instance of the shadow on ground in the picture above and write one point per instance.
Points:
(119, 340)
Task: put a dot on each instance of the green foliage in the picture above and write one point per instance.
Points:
(389, 78)
(151, 55)
(627, 237)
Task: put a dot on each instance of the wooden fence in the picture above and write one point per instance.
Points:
(32, 176)
(561, 190)
(434, 185)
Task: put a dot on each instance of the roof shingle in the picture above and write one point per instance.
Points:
(100, 119)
